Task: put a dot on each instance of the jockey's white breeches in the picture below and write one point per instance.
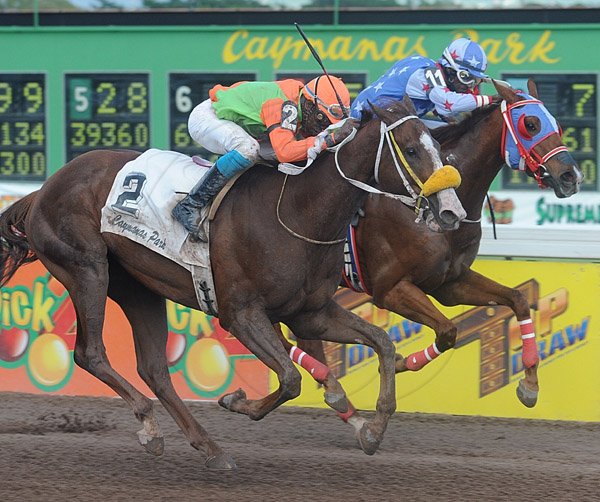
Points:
(220, 136)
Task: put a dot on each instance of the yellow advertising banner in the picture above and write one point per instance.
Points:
(480, 376)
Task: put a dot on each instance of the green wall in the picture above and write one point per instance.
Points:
(266, 51)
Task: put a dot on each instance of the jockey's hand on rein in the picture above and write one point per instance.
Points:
(330, 137)
(335, 135)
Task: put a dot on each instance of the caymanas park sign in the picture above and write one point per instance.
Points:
(243, 45)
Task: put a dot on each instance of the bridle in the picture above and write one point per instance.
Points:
(446, 177)
(526, 153)
(524, 146)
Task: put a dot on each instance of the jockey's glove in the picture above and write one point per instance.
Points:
(331, 136)
(337, 133)
(317, 148)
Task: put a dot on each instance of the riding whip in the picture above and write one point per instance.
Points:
(318, 59)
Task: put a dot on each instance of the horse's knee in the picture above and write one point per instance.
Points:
(519, 303)
(446, 336)
(387, 349)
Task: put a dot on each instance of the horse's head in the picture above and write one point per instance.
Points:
(413, 164)
(532, 142)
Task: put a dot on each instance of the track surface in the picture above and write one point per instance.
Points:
(65, 448)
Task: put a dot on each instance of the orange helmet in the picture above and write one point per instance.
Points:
(321, 91)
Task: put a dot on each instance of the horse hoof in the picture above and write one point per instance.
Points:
(220, 462)
(400, 364)
(153, 445)
(228, 401)
(337, 401)
(368, 441)
(527, 396)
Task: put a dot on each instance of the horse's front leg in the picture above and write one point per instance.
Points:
(475, 289)
(409, 301)
(252, 327)
(335, 324)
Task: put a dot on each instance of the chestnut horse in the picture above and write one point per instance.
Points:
(264, 272)
(401, 262)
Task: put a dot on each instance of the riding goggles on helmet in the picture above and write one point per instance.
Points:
(336, 110)
(464, 76)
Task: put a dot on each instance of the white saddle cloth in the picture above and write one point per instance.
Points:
(139, 207)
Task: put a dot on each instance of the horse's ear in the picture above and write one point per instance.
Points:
(384, 115)
(408, 103)
(531, 87)
(506, 92)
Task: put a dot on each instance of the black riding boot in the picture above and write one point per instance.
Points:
(187, 211)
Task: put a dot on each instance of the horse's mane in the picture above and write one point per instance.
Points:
(444, 134)
(392, 106)
(452, 132)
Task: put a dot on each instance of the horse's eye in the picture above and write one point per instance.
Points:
(531, 126)
(411, 151)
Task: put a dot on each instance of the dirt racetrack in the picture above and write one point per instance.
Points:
(66, 448)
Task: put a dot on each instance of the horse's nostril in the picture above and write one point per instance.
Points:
(448, 218)
(567, 177)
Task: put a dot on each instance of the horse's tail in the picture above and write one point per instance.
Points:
(14, 248)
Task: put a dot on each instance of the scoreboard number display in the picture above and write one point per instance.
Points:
(186, 90)
(22, 127)
(572, 99)
(107, 110)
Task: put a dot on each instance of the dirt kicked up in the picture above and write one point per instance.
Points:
(66, 448)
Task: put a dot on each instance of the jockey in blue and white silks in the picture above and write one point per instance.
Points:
(448, 87)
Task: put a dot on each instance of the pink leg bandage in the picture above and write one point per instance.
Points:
(530, 351)
(416, 361)
(317, 369)
(345, 416)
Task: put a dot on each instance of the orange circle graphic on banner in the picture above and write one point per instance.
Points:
(49, 359)
(207, 364)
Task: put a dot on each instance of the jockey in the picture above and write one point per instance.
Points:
(448, 87)
(290, 113)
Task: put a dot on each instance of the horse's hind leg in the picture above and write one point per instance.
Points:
(86, 279)
(335, 324)
(147, 315)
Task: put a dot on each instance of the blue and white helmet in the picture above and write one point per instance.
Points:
(468, 59)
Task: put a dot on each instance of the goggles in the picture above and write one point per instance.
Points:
(469, 80)
(464, 76)
(336, 110)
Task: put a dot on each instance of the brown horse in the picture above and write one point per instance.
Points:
(402, 262)
(263, 274)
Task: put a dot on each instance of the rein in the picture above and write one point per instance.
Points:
(306, 239)
(446, 177)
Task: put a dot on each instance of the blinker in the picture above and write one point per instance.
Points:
(522, 128)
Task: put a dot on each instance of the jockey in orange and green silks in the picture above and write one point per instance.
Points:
(290, 113)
